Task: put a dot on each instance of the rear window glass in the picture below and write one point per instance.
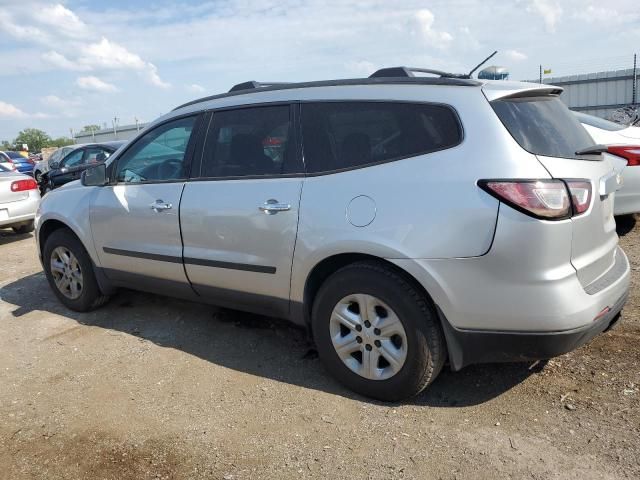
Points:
(15, 155)
(543, 126)
(599, 122)
(339, 135)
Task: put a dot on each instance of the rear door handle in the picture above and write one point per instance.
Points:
(159, 206)
(272, 206)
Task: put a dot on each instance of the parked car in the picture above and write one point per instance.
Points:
(21, 164)
(76, 161)
(405, 221)
(43, 166)
(19, 199)
(623, 141)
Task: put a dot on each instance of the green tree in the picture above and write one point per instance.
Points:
(60, 142)
(6, 145)
(90, 128)
(34, 138)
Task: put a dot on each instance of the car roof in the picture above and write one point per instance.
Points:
(269, 87)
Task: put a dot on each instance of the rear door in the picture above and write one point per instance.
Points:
(544, 126)
(239, 214)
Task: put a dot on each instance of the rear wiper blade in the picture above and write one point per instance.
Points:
(593, 149)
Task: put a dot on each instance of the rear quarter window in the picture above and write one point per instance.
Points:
(543, 126)
(341, 135)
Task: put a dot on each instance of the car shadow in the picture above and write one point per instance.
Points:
(8, 236)
(624, 224)
(249, 343)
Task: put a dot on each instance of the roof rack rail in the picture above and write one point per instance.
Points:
(251, 84)
(395, 72)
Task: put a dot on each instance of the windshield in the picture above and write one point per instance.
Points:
(599, 122)
(543, 126)
(3, 168)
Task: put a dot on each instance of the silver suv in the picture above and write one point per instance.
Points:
(406, 221)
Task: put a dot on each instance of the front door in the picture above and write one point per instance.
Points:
(135, 220)
(240, 216)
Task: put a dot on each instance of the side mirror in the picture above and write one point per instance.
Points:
(95, 176)
(54, 165)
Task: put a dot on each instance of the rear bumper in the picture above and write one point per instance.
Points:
(20, 211)
(468, 347)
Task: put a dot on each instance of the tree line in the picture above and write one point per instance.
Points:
(36, 140)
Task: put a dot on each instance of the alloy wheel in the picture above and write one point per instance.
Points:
(66, 272)
(368, 336)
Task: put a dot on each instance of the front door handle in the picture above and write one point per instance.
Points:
(159, 206)
(271, 207)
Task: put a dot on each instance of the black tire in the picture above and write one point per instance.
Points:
(91, 297)
(37, 175)
(24, 228)
(426, 346)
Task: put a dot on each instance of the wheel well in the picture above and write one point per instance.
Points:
(330, 265)
(48, 228)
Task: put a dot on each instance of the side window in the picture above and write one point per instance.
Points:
(73, 159)
(96, 155)
(249, 141)
(340, 135)
(159, 155)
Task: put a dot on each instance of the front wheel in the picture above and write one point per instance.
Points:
(37, 175)
(377, 333)
(69, 270)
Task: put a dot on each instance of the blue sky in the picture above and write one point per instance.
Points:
(67, 64)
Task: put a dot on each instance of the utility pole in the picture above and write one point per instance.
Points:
(93, 134)
(635, 80)
(540, 73)
(115, 127)
(137, 126)
(72, 137)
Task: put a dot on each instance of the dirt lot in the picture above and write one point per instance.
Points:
(150, 387)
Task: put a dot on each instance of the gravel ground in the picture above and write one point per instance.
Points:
(149, 387)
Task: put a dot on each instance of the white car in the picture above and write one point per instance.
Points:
(43, 166)
(19, 198)
(623, 141)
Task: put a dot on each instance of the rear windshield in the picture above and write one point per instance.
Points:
(599, 122)
(14, 155)
(543, 126)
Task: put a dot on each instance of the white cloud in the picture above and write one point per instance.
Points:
(63, 20)
(56, 102)
(9, 110)
(423, 20)
(94, 83)
(549, 10)
(515, 55)
(76, 47)
(196, 88)
(596, 14)
(58, 60)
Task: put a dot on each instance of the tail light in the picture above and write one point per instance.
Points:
(22, 185)
(543, 199)
(630, 152)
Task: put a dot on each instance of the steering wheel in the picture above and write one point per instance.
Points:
(170, 169)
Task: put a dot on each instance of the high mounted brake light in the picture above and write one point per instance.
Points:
(542, 199)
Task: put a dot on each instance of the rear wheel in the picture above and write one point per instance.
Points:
(24, 228)
(37, 175)
(377, 333)
(69, 271)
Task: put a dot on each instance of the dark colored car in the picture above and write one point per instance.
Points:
(76, 161)
(21, 164)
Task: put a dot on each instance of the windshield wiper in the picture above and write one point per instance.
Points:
(593, 149)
